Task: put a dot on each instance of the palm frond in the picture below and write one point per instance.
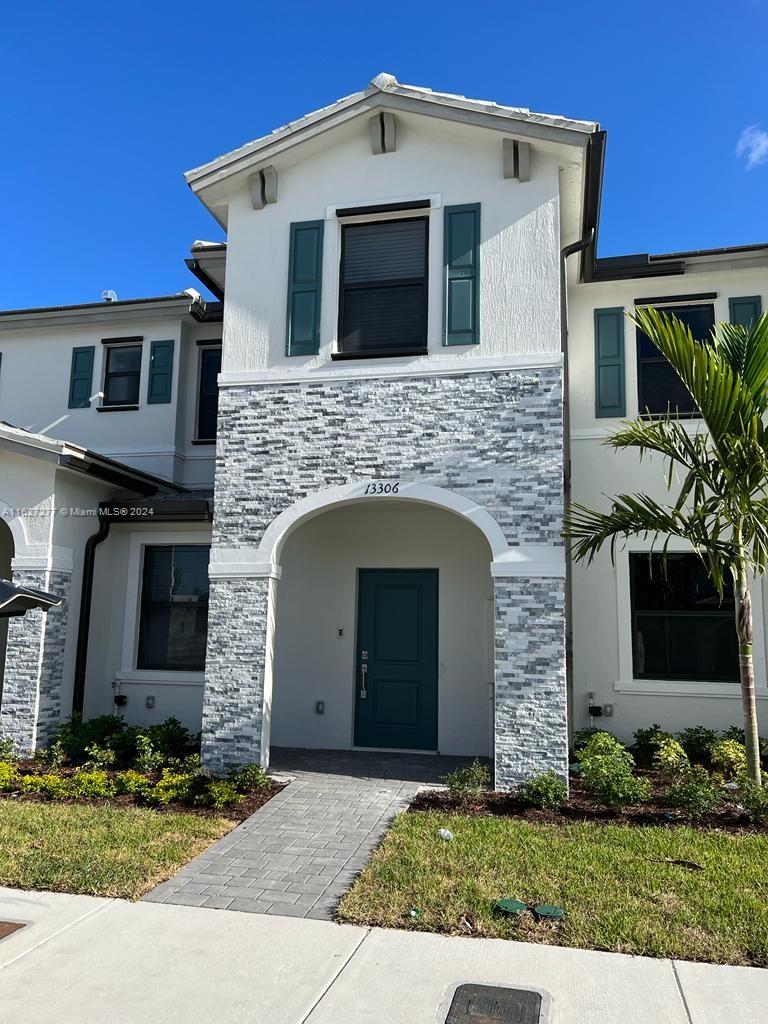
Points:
(746, 352)
(724, 400)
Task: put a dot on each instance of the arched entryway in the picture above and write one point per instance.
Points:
(384, 631)
(284, 631)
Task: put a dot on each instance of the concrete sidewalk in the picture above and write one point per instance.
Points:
(87, 961)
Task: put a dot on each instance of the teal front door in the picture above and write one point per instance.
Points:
(396, 673)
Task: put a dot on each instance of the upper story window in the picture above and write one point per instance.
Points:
(173, 624)
(383, 288)
(659, 387)
(122, 373)
(680, 627)
(208, 393)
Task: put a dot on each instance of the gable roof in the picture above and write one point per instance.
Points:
(385, 91)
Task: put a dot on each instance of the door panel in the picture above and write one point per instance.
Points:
(396, 668)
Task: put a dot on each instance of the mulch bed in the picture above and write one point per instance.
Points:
(582, 806)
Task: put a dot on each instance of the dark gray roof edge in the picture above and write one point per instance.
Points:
(177, 297)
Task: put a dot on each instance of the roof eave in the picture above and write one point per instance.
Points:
(571, 133)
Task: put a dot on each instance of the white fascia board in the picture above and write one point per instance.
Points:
(480, 113)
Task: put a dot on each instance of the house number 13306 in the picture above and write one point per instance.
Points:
(377, 487)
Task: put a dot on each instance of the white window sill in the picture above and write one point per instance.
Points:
(681, 688)
(162, 678)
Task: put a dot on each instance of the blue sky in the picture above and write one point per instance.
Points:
(105, 105)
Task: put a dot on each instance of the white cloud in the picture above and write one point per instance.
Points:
(753, 144)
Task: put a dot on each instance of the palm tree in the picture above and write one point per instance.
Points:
(719, 469)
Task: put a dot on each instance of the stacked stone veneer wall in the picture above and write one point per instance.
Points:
(31, 707)
(493, 437)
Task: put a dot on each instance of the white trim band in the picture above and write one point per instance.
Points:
(374, 370)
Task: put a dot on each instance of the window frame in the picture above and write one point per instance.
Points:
(108, 347)
(168, 603)
(641, 361)
(383, 353)
(203, 347)
(620, 612)
(128, 673)
(634, 557)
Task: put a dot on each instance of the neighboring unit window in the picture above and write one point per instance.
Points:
(208, 399)
(659, 387)
(680, 627)
(174, 608)
(383, 301)
(122, 373)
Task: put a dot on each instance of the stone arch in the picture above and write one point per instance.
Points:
(325, 500)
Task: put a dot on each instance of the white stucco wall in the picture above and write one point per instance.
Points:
(451, 164)
(34, 394)
(112, 637)
(601, 609)
(317, 596)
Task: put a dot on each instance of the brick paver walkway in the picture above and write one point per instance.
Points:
(300, 852)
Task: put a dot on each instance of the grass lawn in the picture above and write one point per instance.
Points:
(98, 849)
(615, 883)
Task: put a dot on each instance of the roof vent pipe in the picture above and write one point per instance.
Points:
(109, 295)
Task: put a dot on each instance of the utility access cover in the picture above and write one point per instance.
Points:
(489, 1004)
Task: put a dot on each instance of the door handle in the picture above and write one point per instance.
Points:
(363, 681)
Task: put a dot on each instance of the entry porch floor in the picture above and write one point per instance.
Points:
(299, 853)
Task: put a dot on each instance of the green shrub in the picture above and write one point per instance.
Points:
(754, 799)
(469, 780)
(75, 737)
(51, 784)
(730, 758)
(582, 736)
(647, 742)
(147, 758)
(9, 777)
(173, 786)
(697, 741)
(7, 751)
(546, 790)
(100, 757)
(107, 741)
(613, 782)
(218, 793)
(607, 770)
(670, 759)
(249, 777)
(602, 744)
(133, 783)
(697, 793)
(91, 784)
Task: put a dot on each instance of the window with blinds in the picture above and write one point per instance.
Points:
(383, 300)
(173, 624)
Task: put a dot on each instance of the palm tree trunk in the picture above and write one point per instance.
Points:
(747, 671)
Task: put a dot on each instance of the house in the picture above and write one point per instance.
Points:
(412, 359)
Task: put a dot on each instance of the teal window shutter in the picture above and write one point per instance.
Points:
(609, 362)
(461, 265)
(745, 310)
(305, 272)
(81, 377)
(160, 372)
